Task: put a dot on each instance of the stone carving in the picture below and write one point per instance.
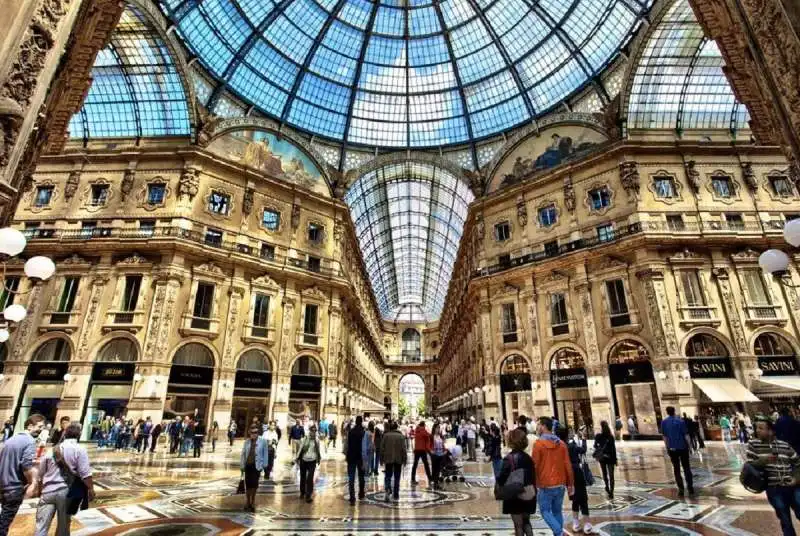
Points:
(747, 254)
(732, 312)
(209, 268)
(692, 176)
(133, 260)
(265, 281)
(656, 328)
(288, 320)
(98, 286)
(74, 259)
(127, 183)
(569, 195)
(314, 292)
(589, 333)
(189, 184)
(477, 182)
(71, 187)
(480, 228)
(629, 177)
(247, 202)
(533, 324)
(155, 322)
(25, 328)
(749, 177)
(235, 302)
(208, 122)
(522, 211)
(169, 314)
(295, 216)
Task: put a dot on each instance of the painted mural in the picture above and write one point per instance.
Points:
(549, 148)
(263, 151)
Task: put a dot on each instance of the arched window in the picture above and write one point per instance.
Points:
(411, 344)
(770, 344)
(193, 355)
(254, 360)
(306, 366)
(703, 345)
(118, 351)
(627, 351)
(53, 350)
(567, 358)
(515, 364)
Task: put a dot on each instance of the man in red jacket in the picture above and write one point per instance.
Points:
(423, 444)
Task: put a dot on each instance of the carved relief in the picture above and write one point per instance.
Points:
(127, 183)
(24, 330)
(629, 177)
(589, 334)
(235, 302)
(71, 187)
(247, 202)
(288, 322)
(98, 286)
(749, 177)
(732, 311)
(151, 338)
(522, 212)
(692, 176)
(189, 184)
(295, 217)
(569, 195)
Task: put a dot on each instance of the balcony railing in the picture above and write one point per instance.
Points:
(411, 359)
(764, 314)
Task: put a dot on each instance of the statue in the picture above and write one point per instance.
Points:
(522, 211)
(569, 195)
(629, 177)
(749, 176)
(127, 183)
(189, 184)
(71, 187)
(692, 175)
(247, 202)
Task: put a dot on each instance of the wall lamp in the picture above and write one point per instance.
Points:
(775, 261)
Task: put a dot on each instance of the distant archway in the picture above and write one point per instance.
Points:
(412, 396)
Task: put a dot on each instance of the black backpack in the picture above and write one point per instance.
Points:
(753, 479)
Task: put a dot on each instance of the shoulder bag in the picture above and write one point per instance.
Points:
(588, 477)
(515, 487)
(77, 494)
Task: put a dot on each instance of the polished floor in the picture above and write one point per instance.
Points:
(161, 495)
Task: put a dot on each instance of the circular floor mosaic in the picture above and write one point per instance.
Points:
(415, 498)
(642, 528)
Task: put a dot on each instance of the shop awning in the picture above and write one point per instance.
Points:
(725, 390)
(790, 383)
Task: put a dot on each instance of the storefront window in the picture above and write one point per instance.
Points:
(633, 385)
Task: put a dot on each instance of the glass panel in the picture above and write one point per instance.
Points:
(118, 350)
(691, 288)
(193, 354)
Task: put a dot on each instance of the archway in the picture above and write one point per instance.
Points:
(633, 387)
(780, 379)
(570, 388)
(190, 379)
(515, 388)
(251, 389)
(44, 381)
(305, 389)
(110, 385)
(412, 396)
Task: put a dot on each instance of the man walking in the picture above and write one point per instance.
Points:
(174, 435)
(725, 426)
(355, 460)
(18, 475)
(296, 435)
(553, 475)
(471, 434)
(677, 441)
(393, 450)
(57, 435)
(423, 444)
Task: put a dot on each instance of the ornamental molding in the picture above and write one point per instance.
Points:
(548, 202)
(735, 185)
(766, 184)
(748, 255)
(29, 196)
(134, 260)
(630, 179)
(142, 193)
(271, 208)
(265, 281)
(208, 269)
(677, 184)
(207, 203)
(686, 256)
(86, 195)
(588, 202)
(313, 293)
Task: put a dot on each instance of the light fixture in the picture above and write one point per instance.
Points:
(662, 375)
(477, 390)
(791, 232)
(15, 313)
(2, 377)
(67, 377)
(39, 267)
(137, 377)
(757, 373)
(12, 241)
(485, 388)
(775, 262)
(4, 335)
(685, 374)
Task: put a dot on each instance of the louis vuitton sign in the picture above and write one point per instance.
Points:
(715, 367)
(778, 365)
(571, 377)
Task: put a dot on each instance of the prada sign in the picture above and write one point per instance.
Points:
(247, 379)
(715, 367)
(624, 373)
(511, 383)
(187, 375)
(307, 384)
(45, 372)
(569, 378)
(113, 372)
(774, 365)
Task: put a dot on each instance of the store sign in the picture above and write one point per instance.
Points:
(784, 365)
(511, 383)
(187, 375)
(247, 379)
(113, 372)
(624, 373)
(714, 367)
(305, 383)
(47, 372)
(571, 377)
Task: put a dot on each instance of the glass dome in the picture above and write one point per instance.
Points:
(404, 73)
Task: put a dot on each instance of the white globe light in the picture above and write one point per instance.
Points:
(14, 313)
(477, 389)
(137, 377)
(791, 232)
(3, 335)
(67, 377)
(773, 261)
(40, 267)
(662, 375)
(12, 242)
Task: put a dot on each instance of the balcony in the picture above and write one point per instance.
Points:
(201, 326)
(252, 333)
(764, 314)
(560, 329)
(698, 315)
(408, 359)
(60, 321)
(311, 341)
(131, 321)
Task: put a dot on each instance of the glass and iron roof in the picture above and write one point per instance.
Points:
(136, 89)
(404, 73)
(409, 218)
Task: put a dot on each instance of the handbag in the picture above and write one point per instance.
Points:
(515, 487)
(753, 479)
(588, 477)
(240, 487)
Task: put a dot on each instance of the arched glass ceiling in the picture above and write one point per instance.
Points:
(679, 83)
(136, 89)
(409, 218)
(404, 73)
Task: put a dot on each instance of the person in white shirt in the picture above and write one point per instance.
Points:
(271, 438)
(471, 434)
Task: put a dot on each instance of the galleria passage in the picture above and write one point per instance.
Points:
(383, 267)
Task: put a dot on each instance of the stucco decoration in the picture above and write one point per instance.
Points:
(126, 187)
(692, 176)
(189, 184)
(630, 180)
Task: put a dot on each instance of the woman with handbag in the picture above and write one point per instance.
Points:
(580, 499)
(519, 502)
(251, 463)
(605, 452)
(308, 456)
(65, 483)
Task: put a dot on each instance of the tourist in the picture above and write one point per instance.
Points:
(376, 459)
(175, 435)
(553, 475)
(57, 470)
(296, 435)
(213, 435)
(677, 441)
(605, 452)
(787, 429)
(18, 475)
(618, 428)
(155, 433)
(323, 431)
(519, 509)
(355, 460)
(725, 426)
(422, 446)
(251, 463)
(308, 456)
(231, 431)
(198, 435)
(472, 438)
(333, 433)
(138, 435)
(522, 422)
(779, 461)
(187, 436)
(368, 450)
(580, 498)
(393, 450)
(697, 431)
(503, 432)
(42, 440)
(346, 425)
(632, 430)
(495, 449)
(58, 434)
(8, 430)
(690, 427)
(437, 453)
(271, 437)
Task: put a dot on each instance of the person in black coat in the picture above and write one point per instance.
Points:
(520, 510)
(580, 499)
(605, 452)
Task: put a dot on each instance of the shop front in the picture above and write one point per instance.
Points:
(251, 390)
(633, 387)
(515, 388)
(190, 380)
(44, 382)
(305, 388)
(779, 383)
(110, 385)
(570, 389)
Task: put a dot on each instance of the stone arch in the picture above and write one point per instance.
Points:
(790, 339)
(94, 354)
(564, 345)
(622, 337)
(314, 358)
(378, 162)
(44, 339)
(261, 348)
(196, 340)
(505, 355)
(726, 342)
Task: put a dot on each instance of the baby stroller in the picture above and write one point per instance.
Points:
(452, 467)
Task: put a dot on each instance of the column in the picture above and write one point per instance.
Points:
(226, 373)
(285, 344)
(744, 362)
(596, 370)
(328, 402)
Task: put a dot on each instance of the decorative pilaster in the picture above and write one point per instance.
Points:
(335, 322)
(162, 316)
(286, 333)
(659, 313)
(486, 331)
(587, 312)
(99, 281)
(235, 294)
(731, 309)
(529, 303)
(23, 334)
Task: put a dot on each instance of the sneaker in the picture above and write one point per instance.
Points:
(352, 501)
(680, 493)
(576, 525)
(309, 499)
(588, 528)
(388, 497)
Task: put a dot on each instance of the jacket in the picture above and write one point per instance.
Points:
(367, 448)
(605, 449)
(518, 460)
(354, 438)
(304, 447)
(423, 442)
(551, 460)
(393, 447)
(261, 454)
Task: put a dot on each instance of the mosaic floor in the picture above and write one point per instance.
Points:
(160, 495)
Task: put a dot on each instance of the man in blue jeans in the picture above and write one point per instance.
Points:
(553, 475)
(676, 439)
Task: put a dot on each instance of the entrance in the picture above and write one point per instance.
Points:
(516, 396)
(304, 389)
(44, 382)
(251, 390)
(570, 389)
(190, 379)
(412, 397)
(633, 387)
(110, 386)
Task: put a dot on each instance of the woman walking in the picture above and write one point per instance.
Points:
(368, 448)
(605, 452)
(580, 499)
(494, 449)
(333, 432)
(437, 454)
(251, 463)
(231, 431)
(519, 509)
(308, 456)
